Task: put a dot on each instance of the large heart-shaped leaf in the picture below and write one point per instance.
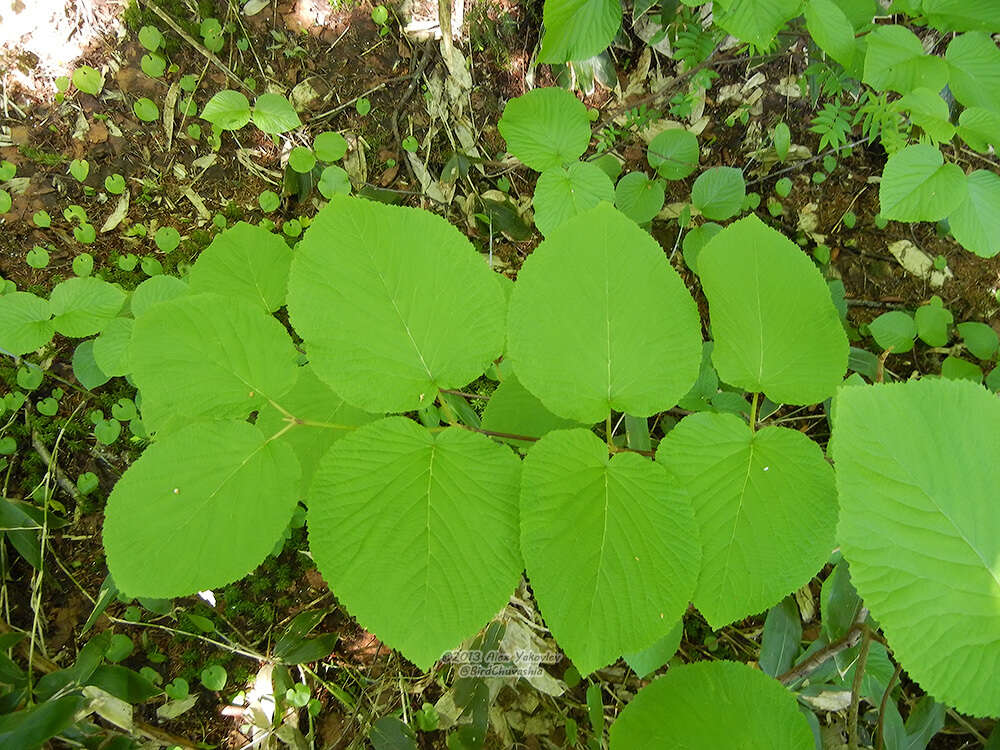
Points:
(917, 185)
(918, 466)
(706, 705)
(545, 128)
(774, 324)
(578, 29)
(25, 323)
(976, 222)
(199, 509)
(393, 303)
(83, 306)
(895, 60)
(974, 61)
(599, 320)
(431, 518)
(766, 506)
(206, 355)
(244, 261)
(611, 546)
(564, 192)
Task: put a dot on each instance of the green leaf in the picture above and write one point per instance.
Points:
(647, 661)
(88, 80)
(980, 128)
(545, 128)
(929, 112)
(31, 727)
(766, 508)
(695, 240)
(860, 12)
(146, 110)
(954, 368)
(774, 324)
(961, 15)
(313, 401)
(782, 140)
(917, 185)
(779, 643)
(244, 261)
(610, 546)
(274, 114)
(578, 29)
(719, 192)
(979, 338)
(925, 720)
(974, 62)
(918, 463)
(636, 358)
(639, 197)
(933, 321)
(301, 160)
(673, 153)
(564, 192)
(389, 733)
(976, 221)
(206, 355)
(85, 366)
(199, 509)
(832, 31)
(25, 323)
(333, 181)
(329, 146)
(79, 168)
(412, 307)
(756, 21)
(150, 38)
(227, 110)
(514, 411)
(894, 330)
(167, 239)
(155, 290)
(712, 705)
(213, 677)
(895, 61)
(445, 503)
(83, 306)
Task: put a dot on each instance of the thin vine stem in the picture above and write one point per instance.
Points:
(859, 676)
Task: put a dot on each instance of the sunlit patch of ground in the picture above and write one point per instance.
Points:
(43, 39)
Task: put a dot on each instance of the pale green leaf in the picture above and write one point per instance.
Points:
(980, 128)
(929, 112)
(980, 339)
(206, 355)
(431, 518)
(917, 185)
(545, 128)
(639, 197)
(244, 261)
(393, 303)
(579, 339)
(933, 320)
(713, 705)
(199, 509)
(564, 192)
(860, 12)
(514, 411)
(918, 464)
(25, 323)
(578, 29)
(274, 114)
(974, 61)
(766, 508)
(894, 330)
(831, 29)
(85, 368)
(320, 408)
(673, 153)
(962, 15)
(755, 21)
(610, 546)
(228, 110)
(156, 289)
(775, 327)
(976, 221)
(647, 661)
(111, 347)
(83, 306)
(719, 192)
(896, 61)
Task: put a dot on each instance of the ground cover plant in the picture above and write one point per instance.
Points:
(622, 449)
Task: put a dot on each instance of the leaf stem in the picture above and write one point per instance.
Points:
(859, 676)
(880, 732)
(753, 412)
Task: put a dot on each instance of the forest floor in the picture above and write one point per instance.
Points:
(329, 55)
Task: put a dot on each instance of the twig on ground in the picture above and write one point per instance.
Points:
(64, 481)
